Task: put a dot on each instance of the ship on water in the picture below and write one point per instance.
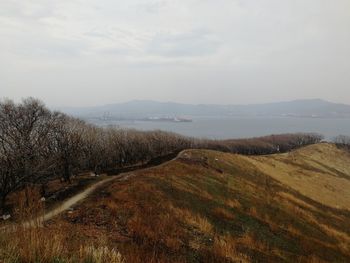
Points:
(168, 119)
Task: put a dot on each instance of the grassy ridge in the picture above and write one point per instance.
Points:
(208, 206)
(321, 172)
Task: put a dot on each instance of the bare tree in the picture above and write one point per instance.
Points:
(67, 140)
(94, 148)
(24, 133)
(342, 141)
(6, 180)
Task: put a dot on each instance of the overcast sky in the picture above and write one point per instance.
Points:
(93, 52)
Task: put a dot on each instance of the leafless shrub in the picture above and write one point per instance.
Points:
(342, 141)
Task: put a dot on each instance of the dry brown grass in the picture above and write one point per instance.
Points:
(28, 204)
(291, 198)
(233, 203)
(223, 213)
(195, 220)
(269, 219)
(36, 243)
(181, 212)
(315, 171)
(250, 241)
(225, 247)
(343, 238)
(253, 212)
(160, 229)
(160, 223)
(32, 245)
(313, 259)
(293, 230)
(41, 245)
(100, 255)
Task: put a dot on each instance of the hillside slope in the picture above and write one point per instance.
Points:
(209, 206)
(321, 172)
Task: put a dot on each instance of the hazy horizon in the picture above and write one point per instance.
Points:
(197, 104)
(89, 53)
(98, 104)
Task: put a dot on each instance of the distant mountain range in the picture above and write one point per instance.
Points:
(141, 109)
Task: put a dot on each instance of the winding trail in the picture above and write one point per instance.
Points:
(122, 176)
(65, 205)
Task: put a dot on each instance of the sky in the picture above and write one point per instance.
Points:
(95, 52)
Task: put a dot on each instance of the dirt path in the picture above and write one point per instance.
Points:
(71, 201)
(67, 204)
(122, 174)
(126, 174)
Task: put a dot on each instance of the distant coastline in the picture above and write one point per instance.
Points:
(167, 119)
(177, 112)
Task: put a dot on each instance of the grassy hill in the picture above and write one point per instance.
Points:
(208, 206)
(321, 172)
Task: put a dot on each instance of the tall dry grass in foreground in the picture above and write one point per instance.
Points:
(34, 244)
(37, 244)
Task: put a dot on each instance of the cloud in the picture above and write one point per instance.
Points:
(272, 49)
(188, 44)
(153, 6)
(26, 10)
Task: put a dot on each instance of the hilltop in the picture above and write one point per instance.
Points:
(321, 172)
(209, 206)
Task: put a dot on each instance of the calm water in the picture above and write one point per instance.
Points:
(224, 128)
